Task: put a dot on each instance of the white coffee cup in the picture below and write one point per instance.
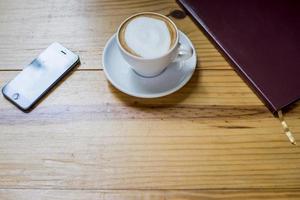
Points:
(149, 67)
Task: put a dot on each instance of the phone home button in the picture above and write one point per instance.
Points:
(15, 96)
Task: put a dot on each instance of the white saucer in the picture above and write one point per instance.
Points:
(120, 74)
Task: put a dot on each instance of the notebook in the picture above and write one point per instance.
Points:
(262, 41)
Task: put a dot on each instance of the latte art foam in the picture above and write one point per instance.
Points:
(148, 36)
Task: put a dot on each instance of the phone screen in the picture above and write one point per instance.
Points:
(40, 75)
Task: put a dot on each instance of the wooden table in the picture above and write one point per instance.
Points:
(86, 140)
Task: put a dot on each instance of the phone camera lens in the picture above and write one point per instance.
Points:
(16, 96)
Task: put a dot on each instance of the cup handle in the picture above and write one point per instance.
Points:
(184, 53)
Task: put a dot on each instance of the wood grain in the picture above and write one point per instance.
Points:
(213, 139)
(84, 26)
(148, 194)
(87, 135)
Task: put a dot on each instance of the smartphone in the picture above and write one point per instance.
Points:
(35, 80)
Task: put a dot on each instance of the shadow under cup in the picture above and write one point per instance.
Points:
(149, 67)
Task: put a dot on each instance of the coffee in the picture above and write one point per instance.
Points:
(147, 35)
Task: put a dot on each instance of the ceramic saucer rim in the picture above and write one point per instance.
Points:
(145, 95)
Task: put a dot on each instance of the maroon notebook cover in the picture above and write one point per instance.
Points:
(262, 41)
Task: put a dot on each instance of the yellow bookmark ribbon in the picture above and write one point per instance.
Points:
(286, 128)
